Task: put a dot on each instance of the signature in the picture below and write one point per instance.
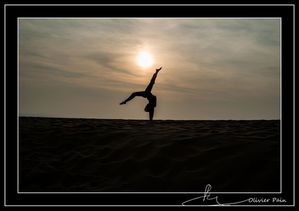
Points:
(207, 199)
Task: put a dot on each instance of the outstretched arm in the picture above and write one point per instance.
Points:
(152, 82)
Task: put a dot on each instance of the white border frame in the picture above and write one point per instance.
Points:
(123, 18)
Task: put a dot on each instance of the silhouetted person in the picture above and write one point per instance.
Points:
(152, 99)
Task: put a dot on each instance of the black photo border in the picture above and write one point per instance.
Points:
(286, 197)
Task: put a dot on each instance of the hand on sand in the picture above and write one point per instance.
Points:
(157, 70)
(122, 103)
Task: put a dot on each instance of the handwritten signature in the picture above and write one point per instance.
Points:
(213, 201)
(206, 199)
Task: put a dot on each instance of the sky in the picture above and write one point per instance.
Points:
(212, 69)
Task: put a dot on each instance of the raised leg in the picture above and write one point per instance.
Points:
(152, 82)
(134, 94)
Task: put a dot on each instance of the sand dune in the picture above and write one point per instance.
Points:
(160, 156)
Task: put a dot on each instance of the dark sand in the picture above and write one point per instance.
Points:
(74, 155)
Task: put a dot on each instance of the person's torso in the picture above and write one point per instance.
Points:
(152, 99)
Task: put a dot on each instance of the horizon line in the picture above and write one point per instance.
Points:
(56, 117)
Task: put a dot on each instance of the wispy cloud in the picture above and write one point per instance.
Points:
(216, 62)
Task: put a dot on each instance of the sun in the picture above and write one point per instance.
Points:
(145, 59)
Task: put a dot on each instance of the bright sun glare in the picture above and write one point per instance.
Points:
(144, 59)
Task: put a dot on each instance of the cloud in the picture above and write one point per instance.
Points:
(229, 61)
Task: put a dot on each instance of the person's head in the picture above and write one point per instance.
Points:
(148, 108)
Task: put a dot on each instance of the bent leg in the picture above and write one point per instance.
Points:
(134, 94)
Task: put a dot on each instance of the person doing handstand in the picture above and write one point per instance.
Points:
(152, 99)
